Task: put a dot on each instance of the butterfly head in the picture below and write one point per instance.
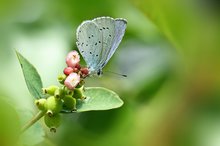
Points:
(99, 72)
(95, 72)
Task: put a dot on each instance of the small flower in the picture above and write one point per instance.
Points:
(72, 81)
(76, 70)
(68, 70)
(84, 71)
(72, 59)
(78, 66)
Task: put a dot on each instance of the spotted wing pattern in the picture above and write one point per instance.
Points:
(89, 43)
(98, 39)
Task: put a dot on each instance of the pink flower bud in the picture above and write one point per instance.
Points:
(72, 59)
(76, 70)
(68, 70)
(72, 81)
(84, 71)
(78, 66)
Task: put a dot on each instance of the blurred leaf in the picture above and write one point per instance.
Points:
(144, 80)
(176, 20)
(98, 98)
(9, 124)
(31, 76)
(93, 121)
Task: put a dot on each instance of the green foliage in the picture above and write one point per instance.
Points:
(9, 124)
(98, 98)
(32, 78)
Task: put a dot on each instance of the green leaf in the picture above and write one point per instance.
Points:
(32, 78)
(34, 134)
(98, 98)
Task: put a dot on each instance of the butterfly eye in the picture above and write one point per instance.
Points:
(99, 72)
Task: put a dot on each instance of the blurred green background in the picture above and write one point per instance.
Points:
(170, 52)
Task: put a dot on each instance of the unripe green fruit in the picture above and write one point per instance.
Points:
(50, 90)
(52, 122)
(69, 103)
(61, 78)
(54, 105)
(81, 84)
(41, 104)
(68, 92)
(59, 93)
(79, 93)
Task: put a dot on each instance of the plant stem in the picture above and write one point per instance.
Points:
(37, 117)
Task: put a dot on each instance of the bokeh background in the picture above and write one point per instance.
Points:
(170, 52)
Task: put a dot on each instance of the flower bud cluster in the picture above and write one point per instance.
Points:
(74, 72)
(63, 98)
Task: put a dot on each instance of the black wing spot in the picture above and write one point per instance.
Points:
(100, 29)
(92, 35)
(99, 41)
(80, 31)
(107, 28)
(97, 55)
(90, 52)
(86, 44)
(89, 37)
(95, 43)
(103, 27)
(82, 51)
(110, 35)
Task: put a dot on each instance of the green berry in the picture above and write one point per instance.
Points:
(54, 105)
(61, 78)
(79, 93)
(50, 90)
(59, 93)
(52, 122)
(68, 92)
(69, 103)
(41, 104)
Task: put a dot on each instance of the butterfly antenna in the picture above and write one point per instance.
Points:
(123, 75)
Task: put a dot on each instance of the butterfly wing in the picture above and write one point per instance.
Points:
(120, 26)
(112, 33)
(98, 39)
(89, 43)
(107, 27)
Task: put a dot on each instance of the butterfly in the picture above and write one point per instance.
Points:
(98, 39)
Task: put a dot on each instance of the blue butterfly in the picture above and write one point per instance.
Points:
(98, 39)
